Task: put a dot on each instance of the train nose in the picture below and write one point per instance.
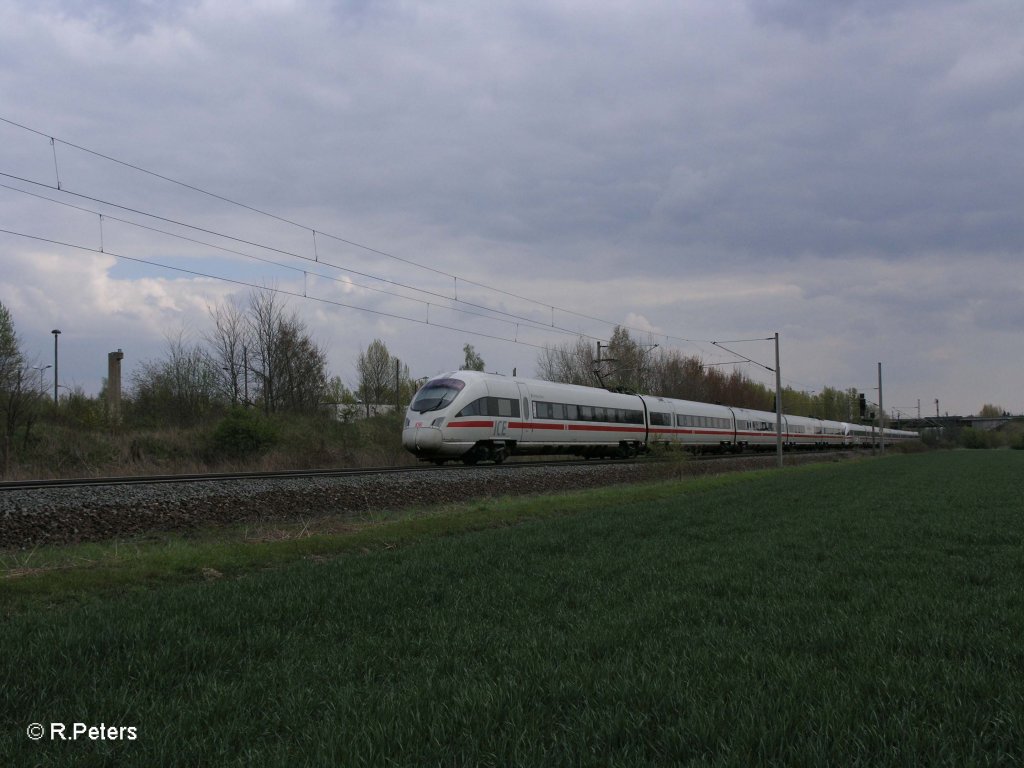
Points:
(421, 439)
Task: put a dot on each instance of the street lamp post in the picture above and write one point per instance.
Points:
(41, 368)
(778, 406)
(56, 333)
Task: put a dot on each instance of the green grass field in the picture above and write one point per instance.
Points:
(867, 613)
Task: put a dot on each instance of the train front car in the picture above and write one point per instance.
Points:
(436, 402)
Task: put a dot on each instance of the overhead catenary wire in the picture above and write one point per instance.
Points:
(304, 272)
(247, 284)
(498, 315)
(270, 248)
(529, 322)
(306, 227)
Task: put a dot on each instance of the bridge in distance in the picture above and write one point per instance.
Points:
(934, 422)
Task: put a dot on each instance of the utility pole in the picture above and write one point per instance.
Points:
(597, 363)
(56, 333)
(398, 396)
(778, 404)
(881, 414)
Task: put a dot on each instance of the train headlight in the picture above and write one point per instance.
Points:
(437, 422)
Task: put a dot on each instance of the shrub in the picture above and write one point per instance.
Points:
(243, 432)
(978, 438)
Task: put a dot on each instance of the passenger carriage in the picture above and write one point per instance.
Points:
(476, 416)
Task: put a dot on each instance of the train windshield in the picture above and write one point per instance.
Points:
(436, 395)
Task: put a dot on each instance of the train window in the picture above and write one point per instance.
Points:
(557, 411)
(572, 412)
(436, 395)
(599, 414)
(473, 409)
(491, 406)
(661, 419)
(586, 413)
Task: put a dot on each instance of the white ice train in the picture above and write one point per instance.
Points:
(473, 417)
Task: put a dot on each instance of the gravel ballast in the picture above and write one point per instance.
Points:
(53, 516)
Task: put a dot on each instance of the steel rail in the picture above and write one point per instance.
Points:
(218, 477)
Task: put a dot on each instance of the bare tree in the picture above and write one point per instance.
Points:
(181, 387)
(568, 363)
(302, 377)
(290, 369)
(228, 347)
(265, 317)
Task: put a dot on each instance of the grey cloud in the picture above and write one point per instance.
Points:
(818, 17)
(656, 139)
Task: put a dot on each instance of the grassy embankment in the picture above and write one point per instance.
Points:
(66, 445)
(856, 614)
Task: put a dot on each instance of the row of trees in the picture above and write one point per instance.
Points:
(255, 353)
(630, 365)
(258, 354)
(20, 398)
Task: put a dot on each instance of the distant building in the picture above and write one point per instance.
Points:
(348, 412)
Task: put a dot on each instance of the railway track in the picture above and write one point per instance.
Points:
(291, 474)
(56, 512)
(213, 477)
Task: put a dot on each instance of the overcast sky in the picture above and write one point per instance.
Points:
(849, 174)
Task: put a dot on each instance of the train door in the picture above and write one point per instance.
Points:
(525, 433)
(504, 406)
